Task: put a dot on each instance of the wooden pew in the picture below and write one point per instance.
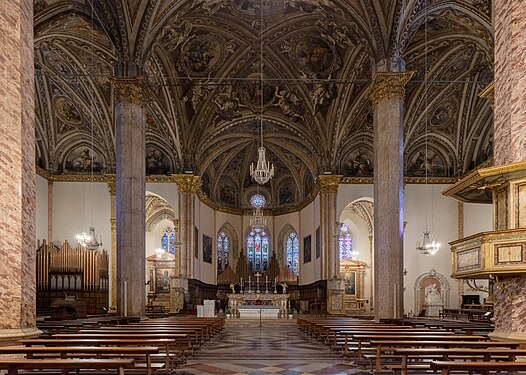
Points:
(390, 345)
(83, 351)
(443, 354)
(447, 366)
(13, 365)
(167, 344)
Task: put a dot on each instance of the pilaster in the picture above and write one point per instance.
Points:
(187, 186)
(112, 189)
(328, 186)
(387, 95)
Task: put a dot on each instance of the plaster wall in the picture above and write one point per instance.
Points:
(205, 219)
(311, 269)
(76, 207)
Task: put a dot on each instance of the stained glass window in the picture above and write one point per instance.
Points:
(168, 241)
(345, 243)
(223, 250)
(292, 248)
(257, 250)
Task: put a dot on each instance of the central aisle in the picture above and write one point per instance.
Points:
(275, 348)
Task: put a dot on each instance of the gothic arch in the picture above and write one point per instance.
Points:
(283, 233)
(423, 280)
(229, 229)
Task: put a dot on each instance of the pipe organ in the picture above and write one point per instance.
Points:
(72, 274)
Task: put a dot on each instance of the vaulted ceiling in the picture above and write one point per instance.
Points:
(203, 61)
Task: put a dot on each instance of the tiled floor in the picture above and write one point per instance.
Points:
(276, 348)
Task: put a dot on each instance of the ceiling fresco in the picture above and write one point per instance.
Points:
(220, 70)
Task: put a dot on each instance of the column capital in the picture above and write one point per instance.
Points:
(110, 180)
(329, 183)
(187, 183)
(388, 84)
(132, 89)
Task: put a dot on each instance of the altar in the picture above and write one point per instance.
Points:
(251, 305)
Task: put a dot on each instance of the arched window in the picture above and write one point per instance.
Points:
(223, 251)
(168, 240)
(257, 249)
(292, 248)
(345, 243)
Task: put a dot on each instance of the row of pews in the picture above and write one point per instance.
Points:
(140, 347)
(416, 345)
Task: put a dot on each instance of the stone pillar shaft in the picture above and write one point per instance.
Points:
(17, 171)
(113, 249)
(329, 253)
(509, 118)
(387, 95)
(131, 192)
(187, 186)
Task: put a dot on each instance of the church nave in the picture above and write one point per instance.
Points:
(278, 347)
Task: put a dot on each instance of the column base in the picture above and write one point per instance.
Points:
(507, 336)
(11, 335)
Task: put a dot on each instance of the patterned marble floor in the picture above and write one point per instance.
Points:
(275, 348)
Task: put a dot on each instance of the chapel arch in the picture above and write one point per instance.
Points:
(426, 280)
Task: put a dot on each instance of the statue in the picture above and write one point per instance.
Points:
(432, 295)
(232, 286)
(284, 286)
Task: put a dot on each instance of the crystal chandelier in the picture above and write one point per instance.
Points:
(263, 171)
(429, 246)
(257, 221)
(89, 240)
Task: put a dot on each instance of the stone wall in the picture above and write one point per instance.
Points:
(510, 306)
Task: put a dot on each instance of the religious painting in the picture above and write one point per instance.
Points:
(442, 116)
(318, 243)
(67, 111)
(207, 249)
(156, 162)
(202, 53)
(84, 160)
(254, 8)
(286, 194)
(162, 279)
(427, 163)
(196, 242)
(314, 54)
(227, 194)
(350, 283)
(359, 163)
(307, 251)
(253, 92)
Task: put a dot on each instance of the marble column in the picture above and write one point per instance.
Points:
(113, 250)
(330, 261)
(509, 146)
(130, 119)
(187, 186)
(17, 171)
(387, 95)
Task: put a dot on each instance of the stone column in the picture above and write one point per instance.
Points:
(17, 171)
(387, 95)
(187, 186)
(330, 261)
(509, 147)
(113, 251)
(130, 120)
(50, 211)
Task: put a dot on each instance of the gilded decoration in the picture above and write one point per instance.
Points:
(329, 183)
(132, 89)
(112, 188)
(387, 85)
(187, 183)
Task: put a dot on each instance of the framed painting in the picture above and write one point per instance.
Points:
(318, 243)
(207, 249)
(196, 242)
(307, 251)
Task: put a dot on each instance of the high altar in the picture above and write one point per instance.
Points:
(254, 305)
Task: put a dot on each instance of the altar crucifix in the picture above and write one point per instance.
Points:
(258, 275)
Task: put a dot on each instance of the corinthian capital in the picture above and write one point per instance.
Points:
(329, 183)
(387, 85)
(187, 183)
(131, 89)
